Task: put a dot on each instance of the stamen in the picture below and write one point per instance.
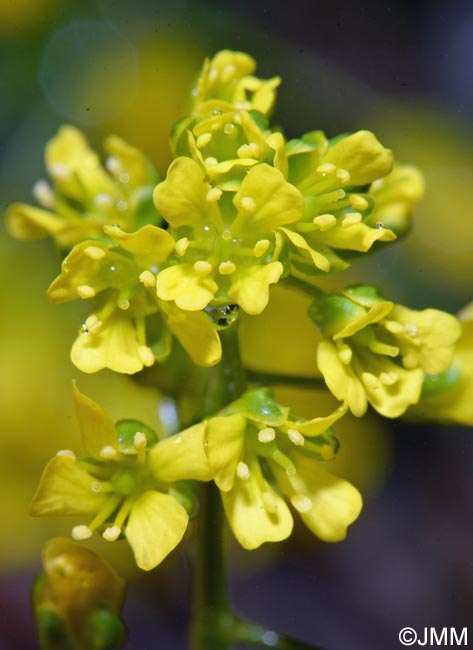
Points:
(181, 246)
(358, 202)
(248, 204)
(261, 247)
(202, 268)
(59, 171)
(410, 360)
(296, 437)
(343, 175)
(203, 140)
(66, 452)
(108, 452)
(43, 193)
(94, 252)
(345, 354)
(243, 471)
(270, 503)
(146, 355)
(370, 380)
(250, 150)
(389, 378)
(213, 194)
(266, 435)
(103, 200)
(325, 221)
(393, 326)
(301, 503)
(148, 278)
(351, 219)
(326, 168)
(327, 452)
(210, 161)
(80, 533)
(283, 461)
(139, 441)
(411, 329)
(226, 268)
(85, 291)
(112, 533)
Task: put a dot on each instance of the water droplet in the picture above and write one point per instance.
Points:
(216, 111)
(124, 177)
(194, 92)
(228, 128)
(379, 225)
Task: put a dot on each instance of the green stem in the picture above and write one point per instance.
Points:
(269, 378)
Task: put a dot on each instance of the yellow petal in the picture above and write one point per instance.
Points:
(188, 289)
(341, 379)
(150, 244)
(250, 286)
(265, 201)
(357, 237)
(114, 346)
(96, 427)
(430, 337)
(78, 270)
(180, 199)
(75, 168)
(316, 426)
(156, 525)
(131, 161)
(225, 439)
(29, 223)
(246, 507)
(181, 456)
(320, 261)
(362, 155)
(197, 335)
(65, 488)
(330, 504)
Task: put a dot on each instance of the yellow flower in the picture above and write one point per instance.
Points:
(129, 327)
(84, 196)
(228, 242)
(78, 598)
(339, 214)
(226, 82)
(256, 454)
(448, 397)
(113, 487)
(395, 195)
(378, 352)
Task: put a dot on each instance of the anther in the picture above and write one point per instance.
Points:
(370, 380)
(85, 291)
(146, 355)
(226, 268)
(112, 533)
(213, 195)
(203, 140)
(248, 204)
(343, 176)
(325, 221)
(410, 360)
(411, 329)
(351, 219)
(202, 268)
(261, 247)
(250, 150)
(148, 279)
(66, 452)
(243, 471)
(210, 161)
(393, 326)
(266, 435)
(80, 533)
(327, 452)
(301, 503)
(326, 168)
(358, 202)
(345, 354)
(43, 193)
(296, 437)
(108, 452)
(94, 252)
(139, 441)
(181, 246)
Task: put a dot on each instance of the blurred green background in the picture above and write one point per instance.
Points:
(401, 69)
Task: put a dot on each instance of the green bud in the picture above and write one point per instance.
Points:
(126, 430)
(365, 295)
(435, 384)
(107, 630)
(334, 312)
(258, 404)
(52, 630)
